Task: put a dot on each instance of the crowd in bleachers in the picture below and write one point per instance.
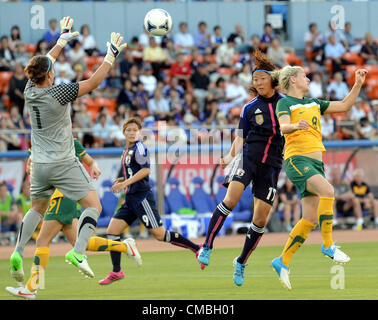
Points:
(188, 79)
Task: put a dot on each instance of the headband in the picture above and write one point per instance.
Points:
(263, 70)
(48, 69)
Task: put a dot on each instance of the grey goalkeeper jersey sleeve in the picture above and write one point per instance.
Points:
(49, 110)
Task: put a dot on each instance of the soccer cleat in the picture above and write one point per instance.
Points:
(282, 271)
(239, 272)
(79, 261)
(335, 254)
(202, 266)
(204, 255)
(132, 251)
(111, 277)
(22, 292)
(17, 271)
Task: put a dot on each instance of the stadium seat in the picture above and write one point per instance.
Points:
(110, 103)
(243, 211)
(175, 199)
(30, 47)
(372, 70)
(5, 77)
(310, 55)
(350, 74)
(143, 113)
(224, 72)
(329, 66)
(353, 57)
(90, 62)
(293, 59)
(221, 193)
(372, 88)
(109, 203)
(201, 201)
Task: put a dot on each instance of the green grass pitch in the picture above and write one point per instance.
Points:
(175, 275)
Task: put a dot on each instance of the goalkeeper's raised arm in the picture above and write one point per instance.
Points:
(114, 48)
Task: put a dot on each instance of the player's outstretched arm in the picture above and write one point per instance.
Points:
(66, 35)
(347, 103)
(114, 48)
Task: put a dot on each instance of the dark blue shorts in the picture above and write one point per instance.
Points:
(264, 178)
(142, 207)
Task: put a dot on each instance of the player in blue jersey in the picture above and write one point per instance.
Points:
(139, 203)
(256, 154)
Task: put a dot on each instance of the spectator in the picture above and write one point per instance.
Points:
(141, 97)
(255, 45)
(61, 77)
(369, 50)
(175, 134)
(211, 112)
(114, 82)
(240, 39)
(314, 68)
(102, 131)
(345, 200)
(364, 195)
(216, 38)
(365, 129)
(173, 83)
(51, 35)
(23, 200)
(87, 40)
(328, 127)
(200, 81)
(42, 48)
(20, 54)
(134, 74)
(338, 35)
(245, 76)
(148, 79)
(126, 63)
(316, 87)
(218, 92)
(116, 131)
(76, 54)
(135, 50)
(15, 119)
(82, 119)
(181, 70)
(226, 52)
(6, 54)
(267, 37)
(290, 204)
(174, 101)
(277, 53)
(61, 64)
(339, 87)
(15, 37)
(8, 141)
(156, 57)
(314, 39)
(353, 45)
(183, 40)
(236, 94)
(17, 85)
(8, 210)
(171, 51)
(126, 96)
(357, 112)
(158, 106)
(144, 39)
(202, 39)
(335, 50)
(79, 73)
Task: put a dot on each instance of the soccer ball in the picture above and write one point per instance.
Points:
(158, 22)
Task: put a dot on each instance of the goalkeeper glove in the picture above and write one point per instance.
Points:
(65, 31)
(114, 47)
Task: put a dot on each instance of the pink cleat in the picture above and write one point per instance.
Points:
(202, 266)
(111, 277)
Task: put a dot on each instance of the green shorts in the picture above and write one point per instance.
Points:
(62, 209)
(299, 168)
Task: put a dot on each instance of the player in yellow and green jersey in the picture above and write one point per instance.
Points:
(299, 120)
